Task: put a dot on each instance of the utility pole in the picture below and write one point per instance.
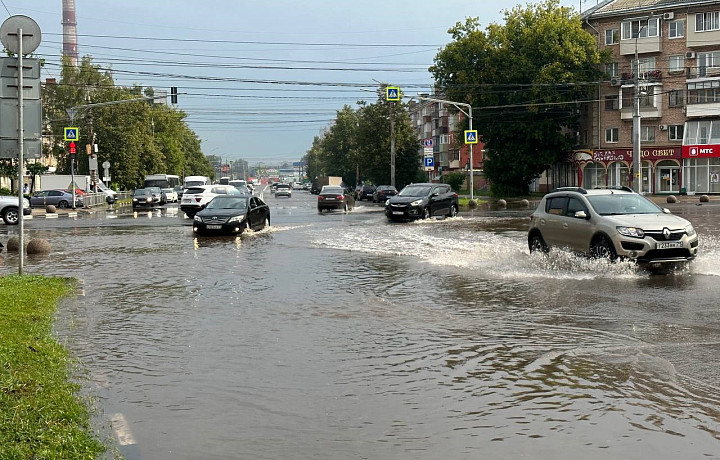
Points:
(392, 145)
(637, 162)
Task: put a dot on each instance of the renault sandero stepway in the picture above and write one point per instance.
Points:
(422, 201)
(611, 222)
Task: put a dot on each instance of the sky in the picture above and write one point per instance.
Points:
(259, 80)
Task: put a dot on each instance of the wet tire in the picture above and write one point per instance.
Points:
(537, 244)
(246, 227)
(11, 216)
(453, 211)
(602, 248)
(267, 222)
(63, 204)
(345, 208)
(426, 213)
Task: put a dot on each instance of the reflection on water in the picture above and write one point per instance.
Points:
(348, 337)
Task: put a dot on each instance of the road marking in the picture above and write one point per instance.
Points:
(122, 430)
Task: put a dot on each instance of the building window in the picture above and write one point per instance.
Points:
(676, 63)
(612, 69)
(703, 132)
(612, 102)
(705, 22)
(444, 139)
(707, 61)
(675, 98)
(704, 92)
(647, 133)
(646, 65)
(640, 28)
(611, 36)
(611, 135)
(675, 132)
(676, 29)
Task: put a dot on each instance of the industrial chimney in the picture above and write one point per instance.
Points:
(69, 31)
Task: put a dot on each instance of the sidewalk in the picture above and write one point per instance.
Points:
(69, 212)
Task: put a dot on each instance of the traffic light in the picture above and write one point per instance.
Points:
(72, 148)
(173, 94)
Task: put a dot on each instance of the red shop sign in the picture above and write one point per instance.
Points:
(700, 151)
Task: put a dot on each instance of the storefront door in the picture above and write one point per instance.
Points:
(667, 179)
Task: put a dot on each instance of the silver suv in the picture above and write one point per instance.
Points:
(611, 222)
(10, 207)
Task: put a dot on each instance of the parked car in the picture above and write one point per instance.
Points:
(383, 192)
(423, 200)
(283, 190)
(232, 214)
(142, 197)
(158, 196)
(10, 209)
(195, 198)
(335, 197)
(171, 195)
(611, 222)
(59, 198)
(365, 192)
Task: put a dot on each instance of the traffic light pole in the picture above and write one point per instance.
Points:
(21, 146)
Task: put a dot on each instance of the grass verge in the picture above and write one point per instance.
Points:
(41, 416)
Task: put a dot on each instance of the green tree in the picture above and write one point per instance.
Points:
(455, 180)
(525, 80)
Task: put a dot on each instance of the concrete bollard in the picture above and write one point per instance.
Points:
(38, 246)
(704, 198)
(671, 199)
(525, 203)
(472, 204)
(13, 244)
(50, 209)
(502, 204)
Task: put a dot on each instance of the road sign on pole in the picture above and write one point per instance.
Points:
(471, 136)
(392, 93)
(72, 134)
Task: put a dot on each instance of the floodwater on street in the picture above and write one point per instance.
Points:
(336, 336)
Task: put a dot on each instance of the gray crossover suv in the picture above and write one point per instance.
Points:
(611, 222)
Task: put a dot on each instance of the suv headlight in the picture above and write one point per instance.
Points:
(197, 218)
(236, 218)
(416, 203)
(631, 231)
(387, 202)
(690, 230)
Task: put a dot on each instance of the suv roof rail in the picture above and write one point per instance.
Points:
(571, 189)
(624, 188)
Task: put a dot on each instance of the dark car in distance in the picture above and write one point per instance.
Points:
(142, 197)
(422, 201)
(365, 192)
(335, 197)
(232, 214)
(383, 192)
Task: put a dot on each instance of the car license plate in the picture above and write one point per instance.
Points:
(398, 213)
(673, 245)
(214, 227)
(330, 199)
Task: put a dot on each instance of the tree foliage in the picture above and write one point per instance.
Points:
(137, 138)
(357, 145)
(524, 80)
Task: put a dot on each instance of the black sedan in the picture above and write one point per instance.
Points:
(232, 214)
(383, 192)
(335, 197)
(142, 197)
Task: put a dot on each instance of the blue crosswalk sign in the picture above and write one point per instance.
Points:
(392, 93)
(429, 162)
(471, 136)
(72, 134)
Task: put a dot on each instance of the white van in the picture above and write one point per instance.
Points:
(195, 181)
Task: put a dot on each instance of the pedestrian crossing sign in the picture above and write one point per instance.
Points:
(471, 136)
(72, 134)
(392, 93)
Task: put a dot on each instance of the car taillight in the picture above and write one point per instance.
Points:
(341, 197)
(198, 199)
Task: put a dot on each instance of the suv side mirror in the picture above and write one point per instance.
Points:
(582, 215)
(666, 211)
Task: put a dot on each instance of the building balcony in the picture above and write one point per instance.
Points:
(641, 46)
(645, 112)
(709, 109)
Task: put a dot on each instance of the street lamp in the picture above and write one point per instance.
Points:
(637, 163)
(459, 105)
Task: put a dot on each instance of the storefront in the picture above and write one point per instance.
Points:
(701, 168)
(660, 168)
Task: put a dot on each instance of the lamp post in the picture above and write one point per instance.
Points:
(637, 162)
(459, 106)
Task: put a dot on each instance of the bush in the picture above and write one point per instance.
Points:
(5, 191)
(455, 180)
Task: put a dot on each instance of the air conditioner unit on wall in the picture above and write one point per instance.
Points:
(615, 81)
(662, 127)
(690, 55)
(668, 16)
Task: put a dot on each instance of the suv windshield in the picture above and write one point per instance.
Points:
(618, 204)
(415, 190)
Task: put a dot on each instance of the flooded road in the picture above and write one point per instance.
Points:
(344, 336)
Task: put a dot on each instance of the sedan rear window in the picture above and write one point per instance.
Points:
(194, 191)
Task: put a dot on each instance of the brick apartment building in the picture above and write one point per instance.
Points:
(670, 51)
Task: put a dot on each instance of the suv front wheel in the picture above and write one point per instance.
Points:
(602, 248)
(536, 243)
(11, 216)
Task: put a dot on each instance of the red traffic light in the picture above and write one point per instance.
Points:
(72, 148)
